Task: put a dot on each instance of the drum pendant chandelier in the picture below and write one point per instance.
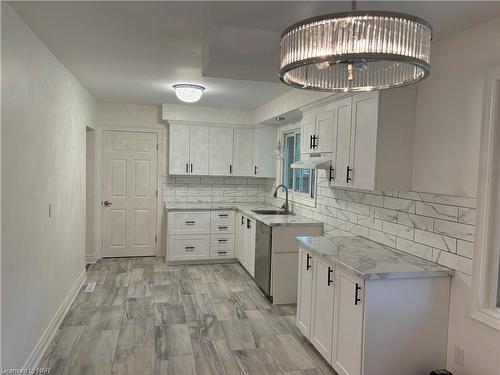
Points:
(356, 51)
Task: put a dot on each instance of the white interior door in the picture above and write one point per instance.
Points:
(130, 176)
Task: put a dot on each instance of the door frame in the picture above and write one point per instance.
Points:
(99, 144)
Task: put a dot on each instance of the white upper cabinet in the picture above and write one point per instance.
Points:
(198, 150)
(178, 160)
(307, 131)
(221, 151)
(243, 164)
(264, 164)
(317, 131)
(372, 138)
(188, 149)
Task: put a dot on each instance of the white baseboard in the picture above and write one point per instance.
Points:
(90, 259)
(42, 345)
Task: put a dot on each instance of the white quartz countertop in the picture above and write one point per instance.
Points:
(247, 209)
(371, 260)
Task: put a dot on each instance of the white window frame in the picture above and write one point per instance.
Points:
(294, 196)
(485, 271)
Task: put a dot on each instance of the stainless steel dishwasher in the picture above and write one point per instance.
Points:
(263, 238)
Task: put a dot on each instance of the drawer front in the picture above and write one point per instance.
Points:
(188, 247)
(222, 240)
(221, 252)
(222, 216)
(189, 223)
(220, 228)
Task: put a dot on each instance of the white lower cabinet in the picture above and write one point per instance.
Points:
(304, 292)
(372, 327)
(322, 307)
(348, 324)
(245, 242)
(239, 249)
(188, 247)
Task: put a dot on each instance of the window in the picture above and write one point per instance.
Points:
(299, 181)
(486, 260)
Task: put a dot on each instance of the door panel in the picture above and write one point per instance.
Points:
(364, 140)
(243, 152)
(304, 289)
(342, 140)
(129, 184)
(178, 161)
(199, 149)
(324, 130)
(221, 151)
(322, 308)
(308, 129)
(348, 324)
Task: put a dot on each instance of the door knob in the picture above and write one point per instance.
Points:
(107, 203)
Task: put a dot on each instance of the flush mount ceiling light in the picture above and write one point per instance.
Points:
(188, 93)
(355, 51)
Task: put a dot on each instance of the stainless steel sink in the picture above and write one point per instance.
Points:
(272, 212)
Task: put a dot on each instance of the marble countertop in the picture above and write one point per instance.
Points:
(371, 260)
(246, 209)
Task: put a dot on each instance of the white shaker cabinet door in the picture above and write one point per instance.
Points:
(324, 131)
(243, 152)
(198, 150)
(221, 151)
(348, 323)
(240, 238)
(364, 124)
(178, 149)
(341, 141)
(308, 130)
(321, 331)
(250, 246)
(304, 292)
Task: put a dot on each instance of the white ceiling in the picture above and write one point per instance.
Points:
(133, 52)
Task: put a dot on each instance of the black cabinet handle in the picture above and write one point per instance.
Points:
(222, 240)
(311, 142)
(190, 222)
(223, 215)
(189, 248)
(314, 139)
(242, 220)
(348, 174)
(332, 172)
(356, 294)
(191, 167)
(221, 252)
(330, 281)
(230, 169)
(187, 167)
(308, 262)
(248, 224)
(222, 227)
(255, 170)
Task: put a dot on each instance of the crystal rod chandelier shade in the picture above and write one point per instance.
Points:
(356, 51)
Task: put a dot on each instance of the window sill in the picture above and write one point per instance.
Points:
(300, 199)
(489, 317)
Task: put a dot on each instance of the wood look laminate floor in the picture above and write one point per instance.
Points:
(148, 318)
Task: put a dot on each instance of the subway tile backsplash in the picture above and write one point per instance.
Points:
(436, 227)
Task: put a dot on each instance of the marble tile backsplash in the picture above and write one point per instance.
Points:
(432, 226)
(214, 189)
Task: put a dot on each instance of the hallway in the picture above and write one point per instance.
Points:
(148, 318)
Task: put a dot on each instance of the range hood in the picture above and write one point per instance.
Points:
(313, 163)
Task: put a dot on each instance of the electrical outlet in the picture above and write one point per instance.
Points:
(90, 287)
(459, 356)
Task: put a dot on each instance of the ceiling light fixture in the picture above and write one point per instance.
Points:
(356, 51)
(188, 93)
